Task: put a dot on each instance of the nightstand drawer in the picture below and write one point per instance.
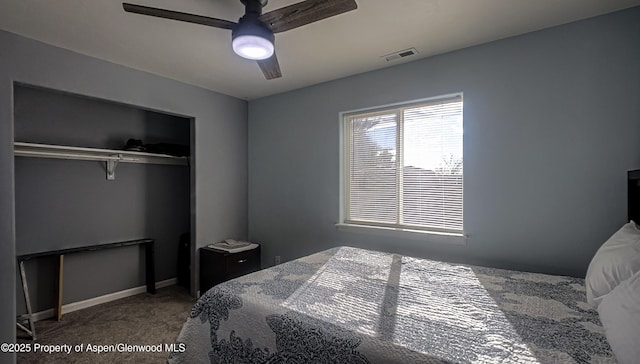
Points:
(242, 263)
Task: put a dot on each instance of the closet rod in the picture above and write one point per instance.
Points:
(60, 155)
(111, 156)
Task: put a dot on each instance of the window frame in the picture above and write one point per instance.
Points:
(390, 229)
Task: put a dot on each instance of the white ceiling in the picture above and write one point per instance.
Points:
(333, 48)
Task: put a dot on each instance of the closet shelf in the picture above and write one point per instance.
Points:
(111, 156)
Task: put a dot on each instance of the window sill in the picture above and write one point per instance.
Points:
(430, 236)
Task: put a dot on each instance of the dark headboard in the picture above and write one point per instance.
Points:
(633, 195)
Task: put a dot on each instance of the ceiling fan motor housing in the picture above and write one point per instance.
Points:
(251, 25)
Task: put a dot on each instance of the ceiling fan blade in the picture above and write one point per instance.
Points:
(270, 67)
(176, 15)
(305, 12)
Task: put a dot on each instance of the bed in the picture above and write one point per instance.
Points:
(350, 305)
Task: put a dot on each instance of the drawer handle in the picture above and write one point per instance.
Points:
(242, 260)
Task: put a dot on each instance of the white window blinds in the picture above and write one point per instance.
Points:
(403, 166)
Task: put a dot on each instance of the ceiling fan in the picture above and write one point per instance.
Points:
(252, 36)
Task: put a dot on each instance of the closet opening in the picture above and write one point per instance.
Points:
(90, 171)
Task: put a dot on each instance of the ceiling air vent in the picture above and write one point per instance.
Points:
(400, 54)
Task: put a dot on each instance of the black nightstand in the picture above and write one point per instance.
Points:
(217, 266)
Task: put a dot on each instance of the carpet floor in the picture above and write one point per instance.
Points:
(144, 319)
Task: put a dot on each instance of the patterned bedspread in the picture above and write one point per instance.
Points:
(348, 305)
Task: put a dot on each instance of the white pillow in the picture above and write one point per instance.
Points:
(620, 316)
(616, 260)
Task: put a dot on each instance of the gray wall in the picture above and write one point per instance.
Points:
(69, 203)
(219, 197)
(551, 122)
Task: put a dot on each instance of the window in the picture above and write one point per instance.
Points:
(403, 166)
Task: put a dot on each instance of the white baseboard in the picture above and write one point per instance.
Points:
(75, 306)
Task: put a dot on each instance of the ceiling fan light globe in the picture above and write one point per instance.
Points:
(252, 47)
